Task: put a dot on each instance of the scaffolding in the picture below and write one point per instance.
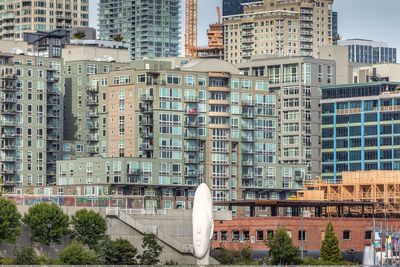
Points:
(379, 187)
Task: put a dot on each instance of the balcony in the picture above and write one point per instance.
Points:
(191, 160)
(248, 175)
(93, 149)
(9, 76)
(191, 112)
(191, 99)
(8, 123)
(147, 98)
(248, 115)
(247, 127)
(7, 171)
(8, 100)
(92, 102)
(189, 148)
(146, 109)
(191, 173)
(11, 88)
(92, 114)
(53, 80)
(248, 103)
(248, 139)
(134, 172)
(191, 124)
(52, 137)
(51, 149)
(146, 147)
(53, 126)
(93, 138)
(8, 111)
(93, 125)
(8, 147)
(10, 135)
(146, 135)
(147, 122)
(93, 89)
(191, 135)
(8, 158)
(248, 151)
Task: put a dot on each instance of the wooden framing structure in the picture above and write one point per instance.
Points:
(379, 187)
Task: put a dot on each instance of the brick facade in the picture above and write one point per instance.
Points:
(359, 235)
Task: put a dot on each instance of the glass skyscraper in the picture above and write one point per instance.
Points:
(234, 7)
(360, 128)
(151, 28)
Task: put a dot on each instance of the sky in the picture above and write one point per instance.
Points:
(367, 19)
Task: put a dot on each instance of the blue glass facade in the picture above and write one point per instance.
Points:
(234, 7)
(372, 55)
(360, 128)
(335, 33)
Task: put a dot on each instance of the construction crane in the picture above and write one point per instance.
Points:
(191, 28)
(219, 14)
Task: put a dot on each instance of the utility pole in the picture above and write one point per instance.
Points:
(302, 234)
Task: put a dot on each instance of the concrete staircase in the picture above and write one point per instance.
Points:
(133, 220)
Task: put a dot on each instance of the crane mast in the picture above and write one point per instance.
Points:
(191, 28)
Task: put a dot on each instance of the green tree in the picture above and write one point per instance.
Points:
(330, 250)
(151, 250)
(89, 227)
(79, 35)
(118, 38)
(116, 252)
(48, 223)
(26, 256)
(77, 254)
(281, 248)
(10, 220)
(234, 257)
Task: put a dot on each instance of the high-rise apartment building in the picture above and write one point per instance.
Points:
(151, 28)
(278, 27)
(18, 16)
(296, 81)
(201, 122)
(82, 109)
(369, 52)
(31, 114)
(360, 128)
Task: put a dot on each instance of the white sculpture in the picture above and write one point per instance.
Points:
(203, 224)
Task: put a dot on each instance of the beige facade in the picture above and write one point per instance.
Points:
(18, 16)
(344, 68)
(377, 72)
(73, 52)
(278, 27)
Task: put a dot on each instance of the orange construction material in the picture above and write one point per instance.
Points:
(191, 28)
(380, 187)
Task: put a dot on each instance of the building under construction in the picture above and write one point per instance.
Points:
(215, 48)
(379, 187)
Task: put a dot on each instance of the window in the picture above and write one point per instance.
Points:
(235, 235)
(320, 73)
(259, 235)
(270, 234)
(224, 235)
(91, 69)
(346, 235)
(368, 235)
(302, 235)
